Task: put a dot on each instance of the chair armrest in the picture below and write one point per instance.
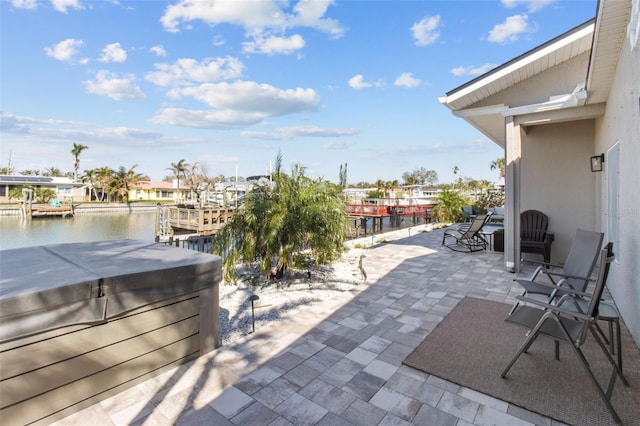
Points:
(559, 274)
(555, 308)
(549, 237)
(561, 288)
(546, 264)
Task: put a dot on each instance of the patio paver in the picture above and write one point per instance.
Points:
(339, 361)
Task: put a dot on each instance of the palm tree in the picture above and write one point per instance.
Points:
(498, 164)
(90, 177)
(449, 205)
(179, 169)
(123, 180)
(52, 171)
(75, 151)
(290, 222)
(104, 176)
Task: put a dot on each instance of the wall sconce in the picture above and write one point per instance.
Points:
(596, 163)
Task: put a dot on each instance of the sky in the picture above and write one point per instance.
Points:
(229, 84)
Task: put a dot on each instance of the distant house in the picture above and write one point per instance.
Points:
(64, 187)
(557, 110)
(157, 191)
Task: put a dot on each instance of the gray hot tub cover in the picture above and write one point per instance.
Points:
(48, 287)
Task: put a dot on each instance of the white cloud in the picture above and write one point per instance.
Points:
(25, 4)
(471, 70)
(66, 50)
(186, 71)
(115, 87)
(510, 29)
(532, 5)
(238, 104)
(251, 97)
(301, 131)
(265, 21)
(426, 31)
(158, 50)
(273, 45)
(205, 119)
(64, 5)
(357, 82)
(407, 79)
(113, 53)
(338, 145)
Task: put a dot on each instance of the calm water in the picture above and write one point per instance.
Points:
(17, 232)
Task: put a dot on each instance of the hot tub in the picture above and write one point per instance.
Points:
(81, 322)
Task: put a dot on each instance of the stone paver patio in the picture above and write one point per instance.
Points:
(337, 362)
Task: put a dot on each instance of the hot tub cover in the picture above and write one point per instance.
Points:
(47, 287)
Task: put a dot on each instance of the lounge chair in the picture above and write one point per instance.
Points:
(534, 237)
(575, 272)
(466, 237)
(568, 326)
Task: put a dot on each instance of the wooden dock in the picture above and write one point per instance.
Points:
(66, 210)
(205, 221)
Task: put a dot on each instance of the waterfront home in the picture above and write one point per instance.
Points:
(64, 187)
(158, 191)
(566, 114)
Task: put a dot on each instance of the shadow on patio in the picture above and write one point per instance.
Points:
(338, 361)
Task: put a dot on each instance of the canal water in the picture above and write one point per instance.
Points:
(16, 232)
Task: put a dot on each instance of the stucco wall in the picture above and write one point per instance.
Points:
(556, 179)
(622, 123)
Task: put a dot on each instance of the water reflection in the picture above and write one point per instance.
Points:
(18, 232)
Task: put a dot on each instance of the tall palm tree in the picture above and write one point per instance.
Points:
(179, 169)
(75, 151)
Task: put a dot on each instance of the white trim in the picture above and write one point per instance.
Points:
(493, 77)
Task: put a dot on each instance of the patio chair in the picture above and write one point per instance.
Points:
(468, 213)
(568, 326)
(466, 237)
(574, 274)
(534, 237)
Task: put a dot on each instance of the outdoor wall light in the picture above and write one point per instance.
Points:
(596, 163)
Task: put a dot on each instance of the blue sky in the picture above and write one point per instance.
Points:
(228, 84)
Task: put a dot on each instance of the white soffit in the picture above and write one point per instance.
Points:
(613, 17)
(528, 65)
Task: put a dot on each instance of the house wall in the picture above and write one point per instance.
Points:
(555, 178)
(621, 123)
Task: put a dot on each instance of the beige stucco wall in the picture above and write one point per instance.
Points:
(555, 178)
(622, 123)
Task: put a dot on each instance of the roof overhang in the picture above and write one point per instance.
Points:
(602, 37)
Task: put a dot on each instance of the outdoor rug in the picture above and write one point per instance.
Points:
(472, 345)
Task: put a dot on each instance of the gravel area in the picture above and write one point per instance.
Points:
(280, 299)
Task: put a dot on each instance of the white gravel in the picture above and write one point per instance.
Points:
(279, 299)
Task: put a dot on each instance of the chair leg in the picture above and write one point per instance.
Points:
(531, 337)
(604, 395)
